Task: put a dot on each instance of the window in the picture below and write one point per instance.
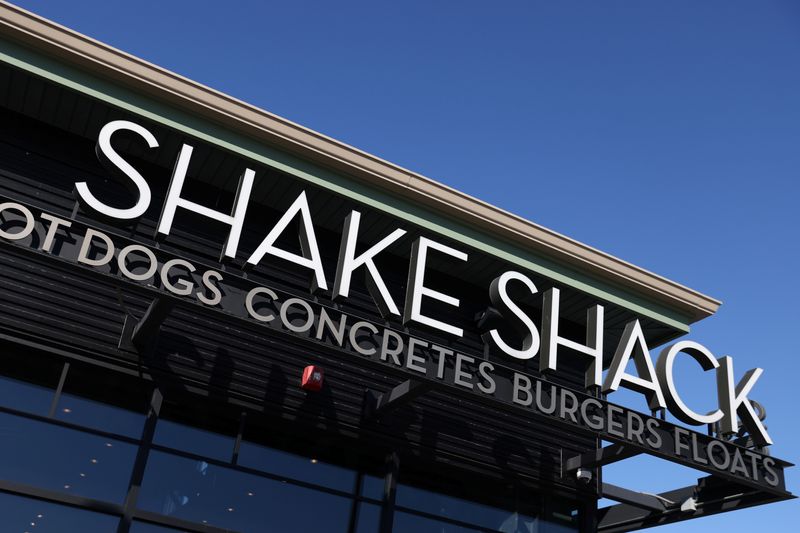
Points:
(296, 467)
(456, 509)
(101, 416)
(24, 396)
(52, 457)
(193, 440)
(201, 492)
(20, 514)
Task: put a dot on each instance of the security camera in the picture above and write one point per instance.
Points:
(584, 475)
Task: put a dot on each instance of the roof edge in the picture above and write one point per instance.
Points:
(107, 62)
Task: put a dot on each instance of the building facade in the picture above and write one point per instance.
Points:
(212, 319)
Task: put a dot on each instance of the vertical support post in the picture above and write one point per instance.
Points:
(57, 396)
(238, 443)
(141, 461)
(588, 517)
(389, 492)
(355, 505)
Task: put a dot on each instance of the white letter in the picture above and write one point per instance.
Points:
(235, 220)
(348, 263)
(123, 267)
(664, 369)
(498, 294)
(182, 287)
(55, 223)
(217, 294)
(83, 255)
(417, 290)
(308, 243)
(108, 156)
(26, 213)
(632, 343)
(248, 303)
(551, 340)
(734, 401)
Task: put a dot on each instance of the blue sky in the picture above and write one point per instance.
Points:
(666, 133)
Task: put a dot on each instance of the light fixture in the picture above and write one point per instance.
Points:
(313, 461)
(66, 486)
(94, 461)
(82, 474)
(67, 410)
(250, 494)
(230, 509)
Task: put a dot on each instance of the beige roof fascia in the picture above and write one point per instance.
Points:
(162, 85)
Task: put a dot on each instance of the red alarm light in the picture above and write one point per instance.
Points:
(312, 378)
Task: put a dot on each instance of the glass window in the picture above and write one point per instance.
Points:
(51, 457)
(144, 527)
(99, 416)
(193, 440)
(563, 516)
(197, 491)
(369, 516)
(372, 487)
(418, 524)
(24, 396)
(296, 467)
(20, 514)
(455, 508)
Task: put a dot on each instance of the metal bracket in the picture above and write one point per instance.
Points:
(488, 319)
(377, 404)
(137, 335)
(642, 500)
(602, 456)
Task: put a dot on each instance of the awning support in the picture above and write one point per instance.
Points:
(138, 334)
(710, 496)
(642, 500)
(599, 457)
(377, 404)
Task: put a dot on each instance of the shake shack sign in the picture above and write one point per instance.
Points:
(287, 314)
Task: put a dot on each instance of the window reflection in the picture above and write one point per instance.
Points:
(144, 527)
(200, 492)
(20, 514)
(369, 516)
(418, 524)
(563, 516)
(99, 416)
(193, 440)
(372, 487)
(24, 396)
(296, 467)
(56, 458)
(462, 510)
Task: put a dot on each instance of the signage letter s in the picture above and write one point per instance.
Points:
(115, 164)
(498, 294)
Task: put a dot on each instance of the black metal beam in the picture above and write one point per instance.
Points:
(389, 492)
(377, 404)
(601, 456)
(710, 496)
(637, 499)
(129, 508)
(137, 335)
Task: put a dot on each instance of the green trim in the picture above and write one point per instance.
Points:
(128, 100)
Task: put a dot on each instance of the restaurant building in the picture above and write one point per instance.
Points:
(213, 319)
